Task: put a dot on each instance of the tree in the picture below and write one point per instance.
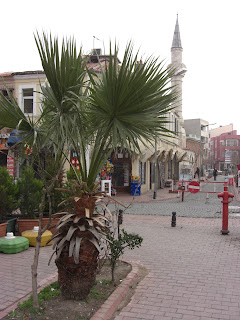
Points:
(30, 193)
(123, 108)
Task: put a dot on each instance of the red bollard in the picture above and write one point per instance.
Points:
(225, 195)
(182, 187)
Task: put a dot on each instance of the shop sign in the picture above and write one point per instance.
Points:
(3, 144)
(10, 166)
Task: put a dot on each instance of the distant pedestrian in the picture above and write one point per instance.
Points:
(215, 174)
(197, 174)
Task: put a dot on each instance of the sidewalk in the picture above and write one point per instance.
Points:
(162, 195)
(193, 270)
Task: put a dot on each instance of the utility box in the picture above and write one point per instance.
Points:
(135, 189)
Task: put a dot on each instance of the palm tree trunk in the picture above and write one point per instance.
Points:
(76, 280)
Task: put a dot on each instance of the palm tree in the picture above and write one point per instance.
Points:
(123, 108)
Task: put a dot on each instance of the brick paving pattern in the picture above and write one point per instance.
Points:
(193, 270)
(15, 274)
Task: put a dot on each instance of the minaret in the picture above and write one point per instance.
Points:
(176, 62)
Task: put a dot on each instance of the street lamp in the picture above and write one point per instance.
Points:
(94, 37)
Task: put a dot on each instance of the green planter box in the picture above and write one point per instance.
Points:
(11, 224)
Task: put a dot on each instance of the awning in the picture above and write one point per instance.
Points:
(14, 137)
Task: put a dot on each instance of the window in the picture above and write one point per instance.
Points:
(222, 142)
(5, 93)
(27, 99)
(176, 126)
(142, 172)
(232, 143)
(171, 121)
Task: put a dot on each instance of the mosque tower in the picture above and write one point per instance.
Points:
(177, 79)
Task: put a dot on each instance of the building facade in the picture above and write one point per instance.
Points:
(25, 88)
(225, 151)
(198, 130)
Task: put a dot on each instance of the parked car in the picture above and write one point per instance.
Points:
(219, 173)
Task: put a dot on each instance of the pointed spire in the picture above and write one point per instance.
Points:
(176, 37)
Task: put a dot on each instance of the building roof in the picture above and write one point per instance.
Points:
(6, 74)
(176, 36)
(9, 74)
(97, 66)
(27, 72)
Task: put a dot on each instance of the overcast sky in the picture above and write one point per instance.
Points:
(210, 34)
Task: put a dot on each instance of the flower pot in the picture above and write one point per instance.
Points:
(11, 225)
(29, 224)
(3, 229)
(26, 224)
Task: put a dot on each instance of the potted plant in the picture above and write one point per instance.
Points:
(8, 202)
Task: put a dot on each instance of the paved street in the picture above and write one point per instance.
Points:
(194, 205)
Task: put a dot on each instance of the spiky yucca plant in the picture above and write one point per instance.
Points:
(77, 241)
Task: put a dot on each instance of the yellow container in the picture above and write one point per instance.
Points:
(31, 235)
(135, 178)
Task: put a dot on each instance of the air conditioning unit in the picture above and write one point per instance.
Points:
(96, 52)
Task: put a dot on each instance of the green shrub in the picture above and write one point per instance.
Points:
(117, 246)
(8, 193)
(30, 193)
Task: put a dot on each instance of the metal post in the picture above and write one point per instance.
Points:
(155, 170)
(173, 224)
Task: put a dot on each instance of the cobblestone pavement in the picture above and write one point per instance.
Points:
(193, 270)
(194, 205)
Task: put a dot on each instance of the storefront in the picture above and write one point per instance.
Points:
(121, 177)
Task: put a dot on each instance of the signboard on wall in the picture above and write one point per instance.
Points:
(10, 166)
(228, 156)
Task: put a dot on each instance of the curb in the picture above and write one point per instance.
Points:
(42, 284)
(109, 307)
